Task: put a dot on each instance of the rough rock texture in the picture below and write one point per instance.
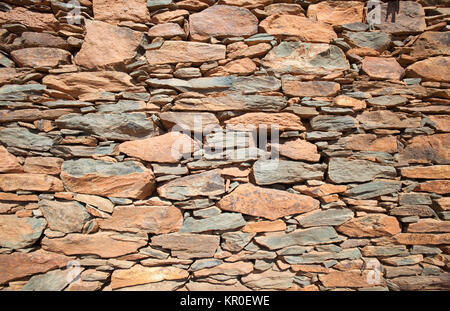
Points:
(224, 145)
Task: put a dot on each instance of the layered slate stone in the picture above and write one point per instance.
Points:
(343, 170)
(299, 149)
(387, 119)
(38, 57)
(282, 121)
(409, 20)
(337, 12)
(374, 189)
(220, 21)
(149, 219)
(379, 41)
(139, 274)
(189, 122)
(306, 59)
(34, 21)
(306, 29)
(103, 244)
(113, 126)
(18, 232)
(372, 225)
(310, 88)
(36, 39)
(221, 222)
(81, 83)
(267, 172)
(208, 183)
(431, 43)
(22, 138)
(166, 30)
(382, 68)
(30, 182)
(333, 123)
(351, 278)
(8, 162)
(369, 142)
(422, 238)
(19, 265)
(188, 245)
(265, 202)
(426, 149)
(304, 237)
(127, 179)
(330, 217)
(166, 148)
(431, 69)
(55, 280)
(426, 172)
(97, 53)
(64, 217)
(172, 52)
(278, 280)
(121, 10)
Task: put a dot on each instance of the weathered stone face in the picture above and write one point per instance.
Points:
(185, 145)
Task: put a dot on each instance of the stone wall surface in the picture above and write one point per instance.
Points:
(224, 145)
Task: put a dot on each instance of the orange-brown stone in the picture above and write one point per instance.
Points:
(299, 149)
(8, 162)
(337, 12)
(30, 182)
(372, 225)
(284, 121)
(427, 172)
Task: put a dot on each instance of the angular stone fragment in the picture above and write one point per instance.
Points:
(55, 280)
(337, 12)
(113, 126)
(372, 225)
(329, 217)
(235, 241)
(19, 265)
(222, 21)
(224, 221)
(34, 21)
(306, 29)
(37, 39)
(383, 251)
(43, 165)
(142, 275)
(284, 121)
(128, 179)
(431, 43)
(310, 236)
(8, 162)
(149, 219)
(299, 149)
(431, 69)
(320, 257)
(18, 232)
(41, 57)
(22, 138)
(434, 186)
(121, 10)
(166, 30)
(209, 183)
(268, 203)
(189, 121)
(306, 58)
(65, 217)
(423, 282)
(333, 123)
(382, 68)
(172, 52)
(429, 225)
(426, 172)
(103, 244)
(97, 53)
(270, 279)
(410, 19)
(30, 182)
(167, 148)
(310, 88)
(422, 238)
(387, 119)
(342, 170)
(351, 278)
(369, 142)
(379, 41)
(188, 245)
(96, 201)
(425, 149)
(227, 268)
(80, 83)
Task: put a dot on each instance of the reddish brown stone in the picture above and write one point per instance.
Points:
(19, 232)
(18, 265)
(18, 198)
(169, 16)
(423, 282)
(431, 69)
(443, 204)
(166, 148)
(422, 238)
(97, 53)
(337, 12)
(347, 101)
(103, 244)
(370, 142)
(222, 21)
(249, 4)
(149, 219)
(310, 88)
(241, 67)
(284, 121)
(430, 43)
(299, 149)
(434, 186)
(43, 165)
(351, 278)
(188, 245)
(227, 268)
(264, 226)
(8, 162)
(41, 57)
(284, 8)
(172, 52)
(33, 20)
(166, 30)
(29, 115)
(427, 172)
(138, 274)
(387, 119)
(426, 149)
(409, 19)
(30, 182)
(382, 68)
(429, 225)
(372, 225)
(37, 39)
(306, 29)
(320, 191)
(441, 122)
(121, 10)
(268, 203)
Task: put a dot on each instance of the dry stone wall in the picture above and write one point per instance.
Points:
(224, 145)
